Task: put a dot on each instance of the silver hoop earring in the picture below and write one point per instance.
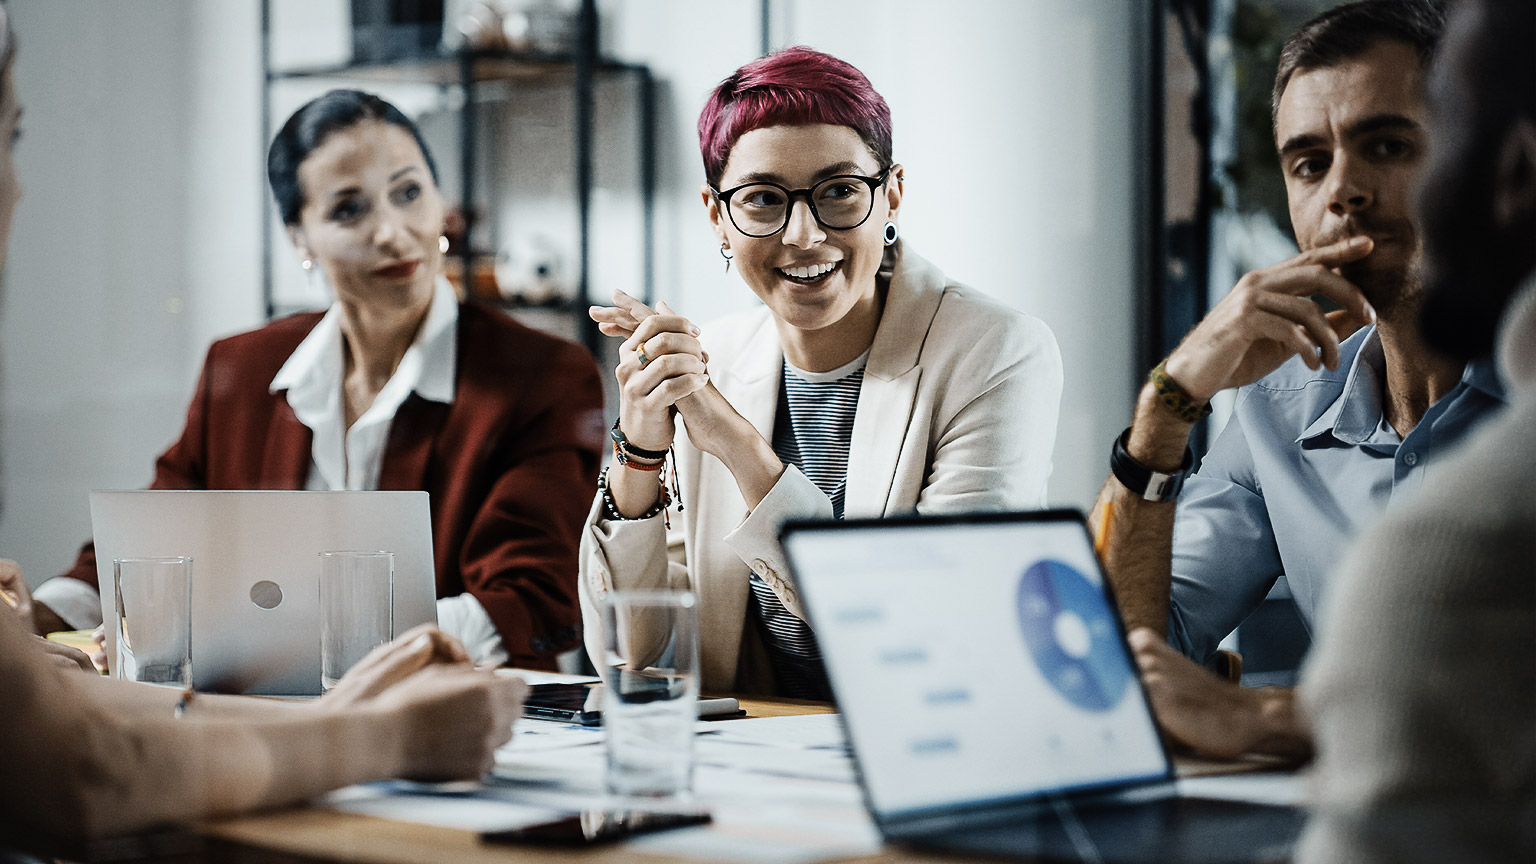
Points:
(442, 243)
(724, 249)
(891, 233)
(307, 264)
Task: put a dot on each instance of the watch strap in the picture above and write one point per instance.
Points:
(1146, 482)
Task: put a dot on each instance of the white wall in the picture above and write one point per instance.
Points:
(138, 240)
(135, 244)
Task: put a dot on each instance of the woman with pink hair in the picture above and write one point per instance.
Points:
(867, 383)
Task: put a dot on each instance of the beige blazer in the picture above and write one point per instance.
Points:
(957, 412)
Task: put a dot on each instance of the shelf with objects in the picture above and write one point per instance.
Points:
(546, 159)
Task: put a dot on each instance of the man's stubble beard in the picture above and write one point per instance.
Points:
(1396, 291)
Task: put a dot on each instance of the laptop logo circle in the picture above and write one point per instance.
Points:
(266, 594)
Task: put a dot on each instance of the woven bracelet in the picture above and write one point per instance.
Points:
(1178, 401)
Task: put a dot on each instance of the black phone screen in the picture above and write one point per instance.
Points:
(597, 826)
(567, 702)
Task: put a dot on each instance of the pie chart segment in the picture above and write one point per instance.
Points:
(1070, 632)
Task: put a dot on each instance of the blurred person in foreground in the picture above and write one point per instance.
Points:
(397, 386)
(868, 383)
(86, 756)
(1422, 688)
(1340, 415)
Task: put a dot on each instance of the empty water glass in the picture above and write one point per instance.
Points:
(153, 626)
(650, 703)
(356, 609)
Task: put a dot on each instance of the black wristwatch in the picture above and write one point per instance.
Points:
(1149, 484)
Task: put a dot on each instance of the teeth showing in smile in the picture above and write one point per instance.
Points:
(810, 271)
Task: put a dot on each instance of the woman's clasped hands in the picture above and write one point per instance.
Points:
(663, 369)
(661, 364)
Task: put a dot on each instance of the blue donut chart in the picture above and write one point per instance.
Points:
(1096, 681)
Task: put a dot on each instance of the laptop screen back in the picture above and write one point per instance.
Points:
(256, 571)
(975, 660)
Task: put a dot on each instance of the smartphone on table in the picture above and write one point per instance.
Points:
(600, 825)
(583, 704)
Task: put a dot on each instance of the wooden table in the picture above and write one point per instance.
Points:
(295, 835)
(313, 835)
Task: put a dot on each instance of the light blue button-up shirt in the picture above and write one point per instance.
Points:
(1306, 461)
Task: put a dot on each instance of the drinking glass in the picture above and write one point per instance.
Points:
(356, 609)
(650, 701)
(153, 627)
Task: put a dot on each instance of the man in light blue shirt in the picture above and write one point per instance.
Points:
(1306, 461)
(1340, 413)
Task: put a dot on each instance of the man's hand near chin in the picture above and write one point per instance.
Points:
(1204, 714)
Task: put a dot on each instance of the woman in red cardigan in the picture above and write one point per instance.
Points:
(397, 386)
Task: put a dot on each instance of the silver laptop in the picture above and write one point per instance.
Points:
(246, 636)
(990, 698)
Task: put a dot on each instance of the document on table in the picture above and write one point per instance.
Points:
(781, 791)
(805, 731)
(529, 735)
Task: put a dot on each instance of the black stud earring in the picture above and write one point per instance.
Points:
(891, 233)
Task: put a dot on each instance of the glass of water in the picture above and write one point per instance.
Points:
(153, 626)
(650, 701)
(356, 609)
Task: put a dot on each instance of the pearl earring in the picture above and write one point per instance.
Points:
(307, 264)
(442, 243)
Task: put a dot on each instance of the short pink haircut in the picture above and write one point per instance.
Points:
(793, 87)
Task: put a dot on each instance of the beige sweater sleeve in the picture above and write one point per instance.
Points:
(1422, 685)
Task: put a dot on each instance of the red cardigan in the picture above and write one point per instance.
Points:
(510, 465)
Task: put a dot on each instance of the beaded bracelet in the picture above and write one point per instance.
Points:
(1176, 397)
(612, 509)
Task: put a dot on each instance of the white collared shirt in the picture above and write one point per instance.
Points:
(351, 459)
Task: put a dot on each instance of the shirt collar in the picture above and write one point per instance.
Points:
(312, 373)
(1355, 416)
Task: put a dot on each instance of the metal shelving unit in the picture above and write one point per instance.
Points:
(469, 72)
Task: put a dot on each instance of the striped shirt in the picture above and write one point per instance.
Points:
(813, 432)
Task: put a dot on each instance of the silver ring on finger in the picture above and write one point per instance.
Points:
(640, 355)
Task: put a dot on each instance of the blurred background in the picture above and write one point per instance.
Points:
(1105, 166)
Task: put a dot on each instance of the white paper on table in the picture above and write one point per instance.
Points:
(809, 731)
(754, 759)
(529, 735)
(470, 812)
(534, 676)
(767, 819)
(567, 769)
(1285, 790)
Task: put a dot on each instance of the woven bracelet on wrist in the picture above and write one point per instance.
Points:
(630, 460)
(1177, 400)
(628, 449)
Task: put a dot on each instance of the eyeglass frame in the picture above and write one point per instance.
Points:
(874, 183)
